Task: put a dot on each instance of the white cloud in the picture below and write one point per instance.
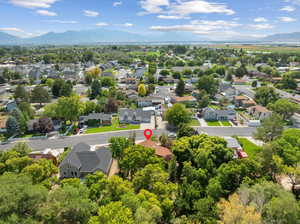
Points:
(115, 4)
(182, 8)
(172, 17)
(153, 6)
(63, 21)
(12, 29)
(200, 26)
(46, 13)
(287, 19)
(296, 2)
(101, 24)
(261, 26)
(33, 3)
(127, 24)
(260, 20)
(90, 13)
(196, 6)
(288, 8)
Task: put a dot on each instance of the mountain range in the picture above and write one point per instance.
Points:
(101, 35)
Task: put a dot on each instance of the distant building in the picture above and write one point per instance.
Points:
(128, 116)
(96, 119)
(50, 154)
(82, 161)
(259, 112)
(211, 114)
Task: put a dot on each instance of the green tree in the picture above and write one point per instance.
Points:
(114, 212)
(288, 82)
(95, 89)
(40, 95)
(12, 126)
(186, 131)
(135, 158)
(27, 110)
(177, 115)
(21, 119)
(118, 145)
(21, 95)
(67, 204)
(67, 108)
(265, 95)
(284, 107)
(270, 129)
(277, 206)
(21, 197)
(209, 84)
(180, 88)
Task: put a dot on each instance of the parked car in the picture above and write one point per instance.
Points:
(172, 135)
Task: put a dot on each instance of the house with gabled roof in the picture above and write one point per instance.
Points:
(82, 161)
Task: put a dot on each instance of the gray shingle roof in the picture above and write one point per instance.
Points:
(89, 161)
(96, 116)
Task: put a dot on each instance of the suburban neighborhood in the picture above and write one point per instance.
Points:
(221, 118)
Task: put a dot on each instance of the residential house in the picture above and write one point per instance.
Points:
(187, 100)
(107, 74)
(259, 112)
(50, 154)
(3, 120)
(96, 119)
(150, 101)
(211, 114)
(82, 161)
(139, 73)
(224, 85)
(129, 116)
(160, 151)
(238, 100)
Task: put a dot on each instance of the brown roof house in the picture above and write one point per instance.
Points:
(259, 112)
(160, 151)
(50, 154)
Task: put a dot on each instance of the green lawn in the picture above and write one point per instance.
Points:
(213, 123)
(29, 135)
(250, 148)
(226, 123)
(194, 122)
(114, 127)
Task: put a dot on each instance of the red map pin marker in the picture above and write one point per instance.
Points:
(148, 134)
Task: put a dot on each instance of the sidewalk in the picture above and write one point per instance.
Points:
(202, 122)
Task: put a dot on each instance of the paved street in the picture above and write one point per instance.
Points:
(102, 138)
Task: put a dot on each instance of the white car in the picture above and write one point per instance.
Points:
(172, 135)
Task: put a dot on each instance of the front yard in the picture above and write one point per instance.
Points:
(219, 123)
(116, 126)
(249, 147)
(226, 123)
(194, 122)
(213, 123)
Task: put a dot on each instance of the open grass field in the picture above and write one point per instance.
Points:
(250, 148)
(264, 48)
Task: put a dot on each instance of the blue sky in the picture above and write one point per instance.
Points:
(213, 19)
